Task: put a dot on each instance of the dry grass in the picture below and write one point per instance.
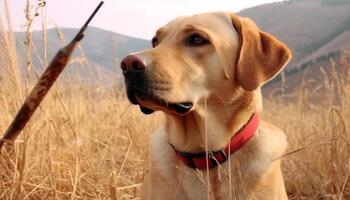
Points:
(89, 143)
(317, 122)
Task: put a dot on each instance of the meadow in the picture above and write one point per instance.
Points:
(89, 142)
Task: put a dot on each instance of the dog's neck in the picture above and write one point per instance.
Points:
(216, 121)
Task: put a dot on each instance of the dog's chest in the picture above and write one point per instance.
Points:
(195, 183)
(247, 166)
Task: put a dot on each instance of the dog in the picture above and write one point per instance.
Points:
(205, 72)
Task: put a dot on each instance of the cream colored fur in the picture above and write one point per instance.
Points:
(223, 80)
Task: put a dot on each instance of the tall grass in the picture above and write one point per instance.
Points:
(316, 119)
(87, 142)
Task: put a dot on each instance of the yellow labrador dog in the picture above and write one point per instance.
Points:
(205, 73)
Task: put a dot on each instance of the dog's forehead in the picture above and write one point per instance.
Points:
(212, 20)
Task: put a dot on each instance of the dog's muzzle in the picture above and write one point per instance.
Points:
(137, 87)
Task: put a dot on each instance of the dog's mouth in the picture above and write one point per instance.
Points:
(149, 103)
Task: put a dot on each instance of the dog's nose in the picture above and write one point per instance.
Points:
(132, 63)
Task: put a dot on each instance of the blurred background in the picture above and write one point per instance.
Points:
(314, 30)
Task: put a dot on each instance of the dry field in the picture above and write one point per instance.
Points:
(88, 142)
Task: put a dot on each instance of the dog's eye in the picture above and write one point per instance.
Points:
(196, 40)
(155, 42)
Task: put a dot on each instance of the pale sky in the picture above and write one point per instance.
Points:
(138, 18)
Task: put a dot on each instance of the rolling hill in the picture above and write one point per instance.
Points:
(313, 29)
(305, 25)
(102, 50)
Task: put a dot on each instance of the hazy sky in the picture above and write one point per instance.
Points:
(138, 18)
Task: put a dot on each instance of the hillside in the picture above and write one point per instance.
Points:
(313, 29)
(342, 42)
(103, 50)
(305, 25)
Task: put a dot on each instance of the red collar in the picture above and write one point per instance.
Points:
(199, 160)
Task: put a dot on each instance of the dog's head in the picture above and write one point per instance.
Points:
(205, 56)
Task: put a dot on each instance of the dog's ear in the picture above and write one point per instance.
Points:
(260, 55)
